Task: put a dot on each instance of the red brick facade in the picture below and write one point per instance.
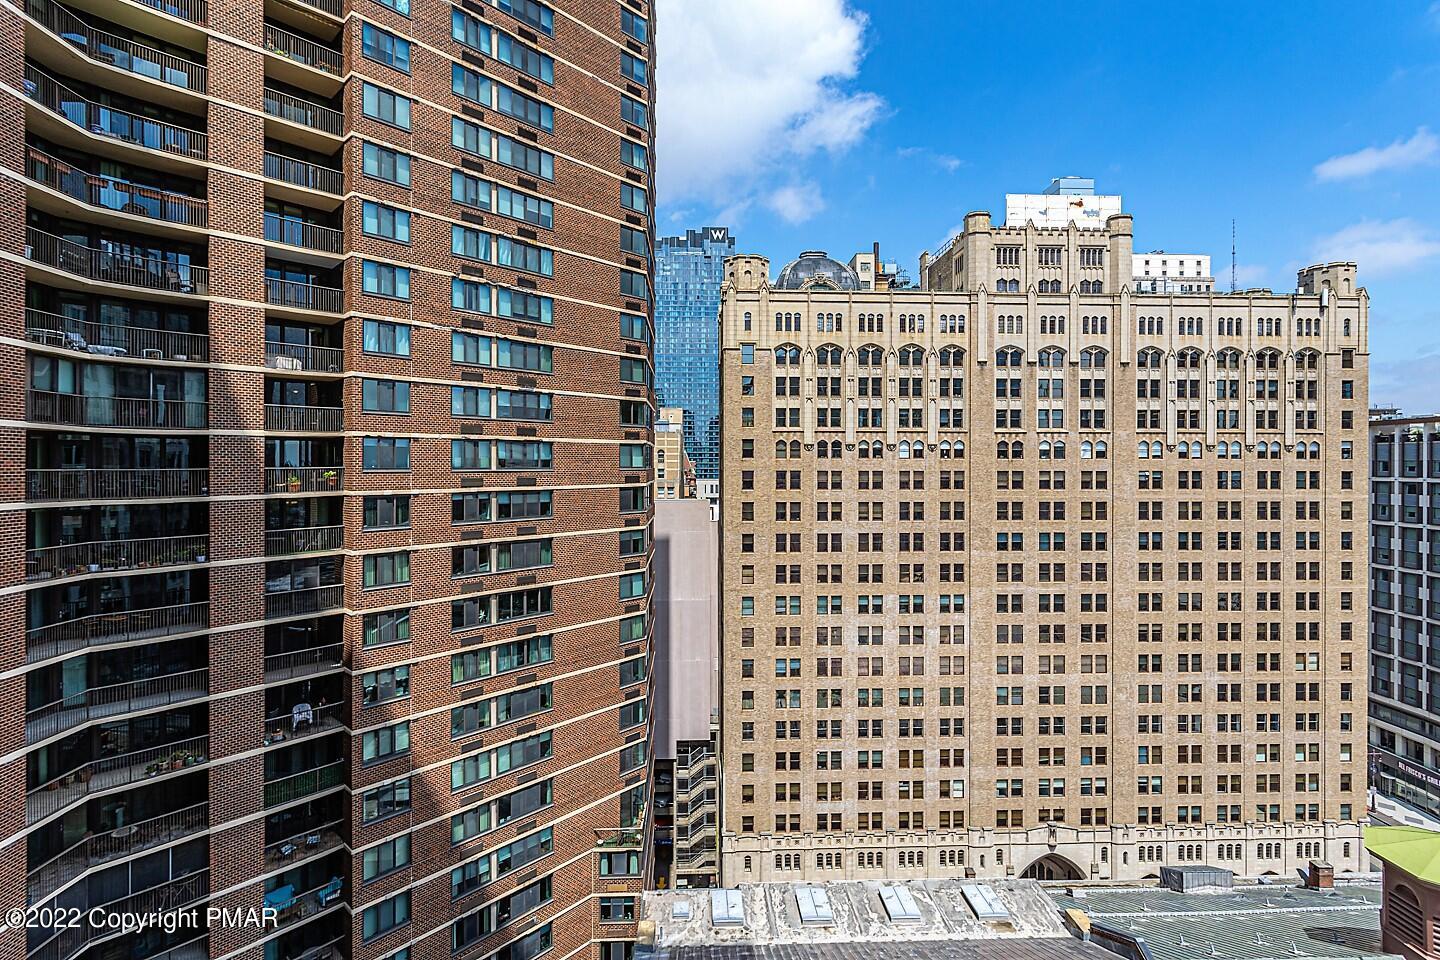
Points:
(192, 560)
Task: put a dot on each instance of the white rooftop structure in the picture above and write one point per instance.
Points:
(814, 906)
(900, 904)
(727, 909)
(1067, 200)
(1162, 272)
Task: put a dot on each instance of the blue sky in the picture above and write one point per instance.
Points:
(832, 124)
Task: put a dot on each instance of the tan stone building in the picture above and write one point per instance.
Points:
(673, 473)
(1025, 573)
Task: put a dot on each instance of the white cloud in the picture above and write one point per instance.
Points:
(1380, 246)
(1407, 382)
(751, 88)
(944, 161)
(1423, 147)
(796, 202)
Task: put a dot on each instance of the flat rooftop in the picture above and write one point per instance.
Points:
(1265, 922)
(856, 923)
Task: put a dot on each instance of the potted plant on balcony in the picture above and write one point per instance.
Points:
(330, 477)
(293, 482)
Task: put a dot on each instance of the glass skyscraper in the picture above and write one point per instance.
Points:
(688, 274)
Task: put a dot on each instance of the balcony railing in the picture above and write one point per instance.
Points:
(303, 51)
(300, 233)
(111, 194)
(117, 51)
(303, 479)
(303, 356)
(332, 7)
(304, 419)
(295, 724)
(303, 845)
(121, 626)
(97, 556)
(311, 176)
(305, 783)
(97, 703)
(299, 663)
(107, 484)
(111, 772)
(303, 540)
(157, 901)
(105, 121)
(299, 906)
(111, 266)
(195, 11)
(79, 410)
(121, 842)
(304, 296)
(115, 340)
(290, 603)
(307, 114)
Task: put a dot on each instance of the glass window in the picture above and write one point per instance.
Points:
(385, 164)
(633, 68)
(385, 106)
(384, 396)
(379, 220)
(389, 338)
(384, 47)
(385, 915)
(386, 280)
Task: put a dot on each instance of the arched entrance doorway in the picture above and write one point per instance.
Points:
(1052, 866)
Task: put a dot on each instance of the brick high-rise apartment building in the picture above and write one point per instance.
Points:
(1025, 573)
(327, 551)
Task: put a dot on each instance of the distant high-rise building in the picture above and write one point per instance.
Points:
(688, 272)
(1161, 272)
(1404, 627)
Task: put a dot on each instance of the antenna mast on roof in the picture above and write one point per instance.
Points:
(1232, 254)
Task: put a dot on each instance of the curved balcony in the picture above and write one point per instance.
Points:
(106, 193)
(303, 479)
(107, 484)
(98, 776)
(292, 603)
(304, 783)
(298, 233)
(314, 116)
(308, 53)
(157, 901)
(99, 849)
(115, 340)
(104, 121)
(98, 703)
(115, 51)
(57, 639)
(303, 540)
(299, 173)
(108, 266)
(303, 356)
(109, 556)
(304, 419)
(304, 296)
(300, 663)
(78, 410)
